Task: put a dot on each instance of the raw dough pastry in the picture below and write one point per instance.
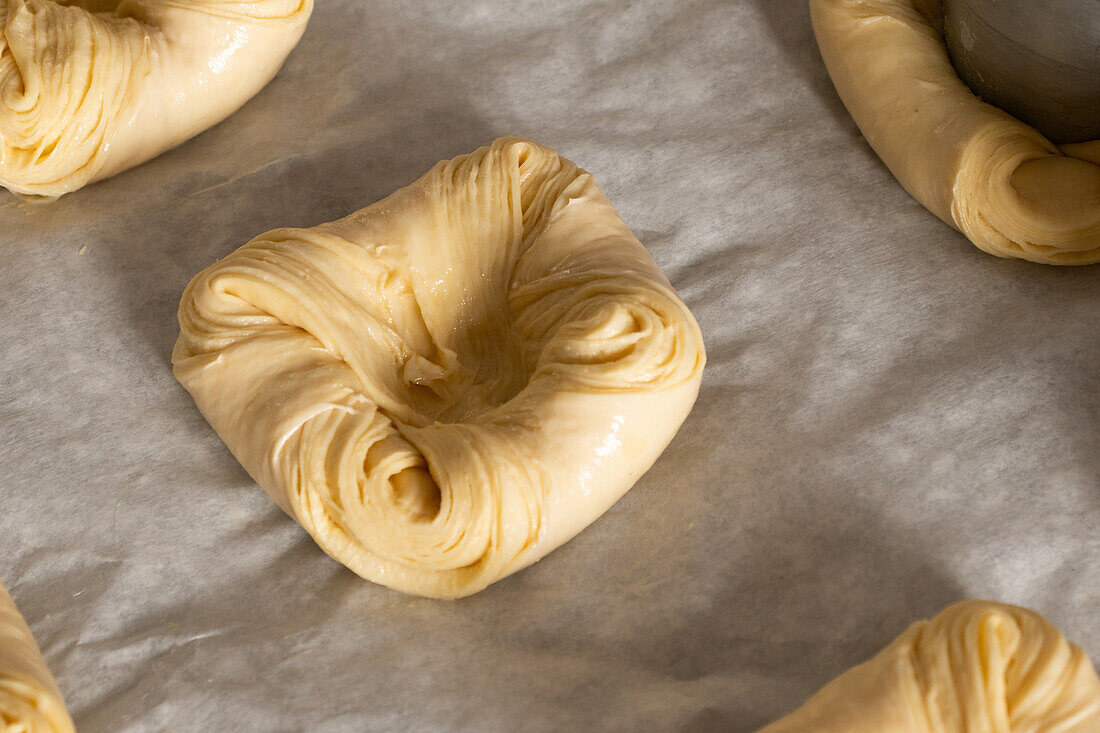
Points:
(89, 88)
(30, 701)
(998, 181)
(978, 667)
(445, 386)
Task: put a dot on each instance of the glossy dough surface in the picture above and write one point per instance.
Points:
(89, 88)
(445, 386)
(30, 701)
(978, 667)
(1012, 192)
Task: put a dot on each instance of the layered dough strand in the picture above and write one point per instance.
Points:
(445, 386)
(978, 667)
(1012, 192)
(89, 88)
(30, 701)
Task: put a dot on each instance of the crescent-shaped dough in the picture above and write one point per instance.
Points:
(30, 701)
(89, 88)
(978, 667)
(445, 386)
(1012, 192)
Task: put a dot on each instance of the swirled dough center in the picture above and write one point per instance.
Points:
(1011, 191)
(89, 88)
(445, 386)
(30, 701)
(978, 667)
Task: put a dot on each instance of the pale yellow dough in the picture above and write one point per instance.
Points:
(89, 88)
(30, 701)
(445, 386)
(978, 667)
(997, 180)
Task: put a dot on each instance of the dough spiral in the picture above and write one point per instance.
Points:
(30, 701)
(1012, 192)
(89, 88)
(445, 386)
(978, 667)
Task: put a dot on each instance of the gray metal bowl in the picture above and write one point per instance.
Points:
(1039, 60)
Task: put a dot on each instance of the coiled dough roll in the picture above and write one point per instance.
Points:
(445, 386)
(30, 701)
(89, 88)
(978, 667)
(1012, 192)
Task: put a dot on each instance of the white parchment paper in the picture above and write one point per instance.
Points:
(890, 421)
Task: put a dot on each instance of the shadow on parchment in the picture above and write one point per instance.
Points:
(788, 21)
(803, 632)
(729, 635)
(820, 584)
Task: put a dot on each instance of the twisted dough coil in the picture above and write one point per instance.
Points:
(1012, 192)
(978, 667)
(30, 701)
(445, 386)
(89, 88)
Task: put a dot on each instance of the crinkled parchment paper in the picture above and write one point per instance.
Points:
(891, 420)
